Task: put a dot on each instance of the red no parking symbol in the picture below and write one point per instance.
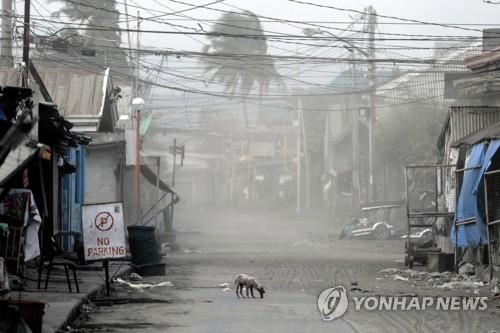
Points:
(104, 221)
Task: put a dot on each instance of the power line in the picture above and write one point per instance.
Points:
(384, 16)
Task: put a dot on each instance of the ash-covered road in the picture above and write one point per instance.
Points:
(295, 259)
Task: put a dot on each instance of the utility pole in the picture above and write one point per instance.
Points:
(26, 42)
(372, 22)
(138, 103)
(157, 185)
(137, 56)
(128, 29)
(175, 150)
(299, 139)
(306, 157)
(138, 162)
(355, 198)
(326, 146)
(6, 34)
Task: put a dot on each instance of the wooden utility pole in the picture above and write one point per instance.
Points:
(137, 132)
(299, 139)
(137, 56)
(175, 150)
(26, 42)
(355, 197)
(326, 146)
(128, 29)
(306, 158)
(6, 34)
(372, 22)
(138, 162)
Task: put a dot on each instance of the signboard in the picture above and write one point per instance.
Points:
(103, 231)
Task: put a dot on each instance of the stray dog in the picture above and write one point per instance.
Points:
(250, 283)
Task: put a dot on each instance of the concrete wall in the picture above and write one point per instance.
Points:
(102, 173)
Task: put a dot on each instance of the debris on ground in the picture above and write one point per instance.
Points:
(390, 270)
(462, 285)
(400, 278)
(360, 290)
(142, 286)
(445, 280)
(226, 289)
(134, 277)
(467, 269)
(224, 285)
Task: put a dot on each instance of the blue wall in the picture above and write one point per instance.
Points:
(73, 189)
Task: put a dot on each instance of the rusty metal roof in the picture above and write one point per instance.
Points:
(465, 120)
(462, 121)
(81, 97)
(488, 133)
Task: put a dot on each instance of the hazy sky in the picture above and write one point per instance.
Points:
(445, 11)
(440, 11)
(188, 73)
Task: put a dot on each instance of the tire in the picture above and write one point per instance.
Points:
(381, 232)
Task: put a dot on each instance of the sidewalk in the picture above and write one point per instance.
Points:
(62, 307)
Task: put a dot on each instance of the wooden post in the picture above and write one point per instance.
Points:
(138, 159)
(173, 182)
(106, 273)
(372, 21)
(26, 42)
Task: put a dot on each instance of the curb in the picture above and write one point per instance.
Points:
(98, 290)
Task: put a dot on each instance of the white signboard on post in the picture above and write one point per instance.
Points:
(103, 231)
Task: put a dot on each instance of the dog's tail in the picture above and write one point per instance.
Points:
(236, 281)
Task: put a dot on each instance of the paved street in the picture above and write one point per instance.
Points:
(295, 260)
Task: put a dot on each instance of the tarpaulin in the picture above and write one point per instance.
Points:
(471, 199)
(19, 204)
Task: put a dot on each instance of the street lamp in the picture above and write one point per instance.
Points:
(137, 104)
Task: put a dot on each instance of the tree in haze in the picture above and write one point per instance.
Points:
(101, 14)
(239, 74)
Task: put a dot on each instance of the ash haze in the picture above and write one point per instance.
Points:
(306, 165)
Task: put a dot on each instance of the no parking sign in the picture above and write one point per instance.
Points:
(103, 231)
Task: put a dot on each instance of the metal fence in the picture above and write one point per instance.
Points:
(430, 190)
(430, 197)
(492, 203)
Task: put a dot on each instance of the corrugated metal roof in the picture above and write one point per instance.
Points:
(465, 120)
(79, 95)
(490, 132)
(74, 91)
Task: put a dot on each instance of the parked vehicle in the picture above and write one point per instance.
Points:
(364, 228)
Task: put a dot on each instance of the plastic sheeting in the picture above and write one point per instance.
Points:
(471, 200)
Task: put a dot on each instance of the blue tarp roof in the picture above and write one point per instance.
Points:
(471, 199)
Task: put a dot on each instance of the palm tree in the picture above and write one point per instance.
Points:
(240, 73)
(99, 13)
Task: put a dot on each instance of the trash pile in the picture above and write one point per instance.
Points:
(445, 280)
